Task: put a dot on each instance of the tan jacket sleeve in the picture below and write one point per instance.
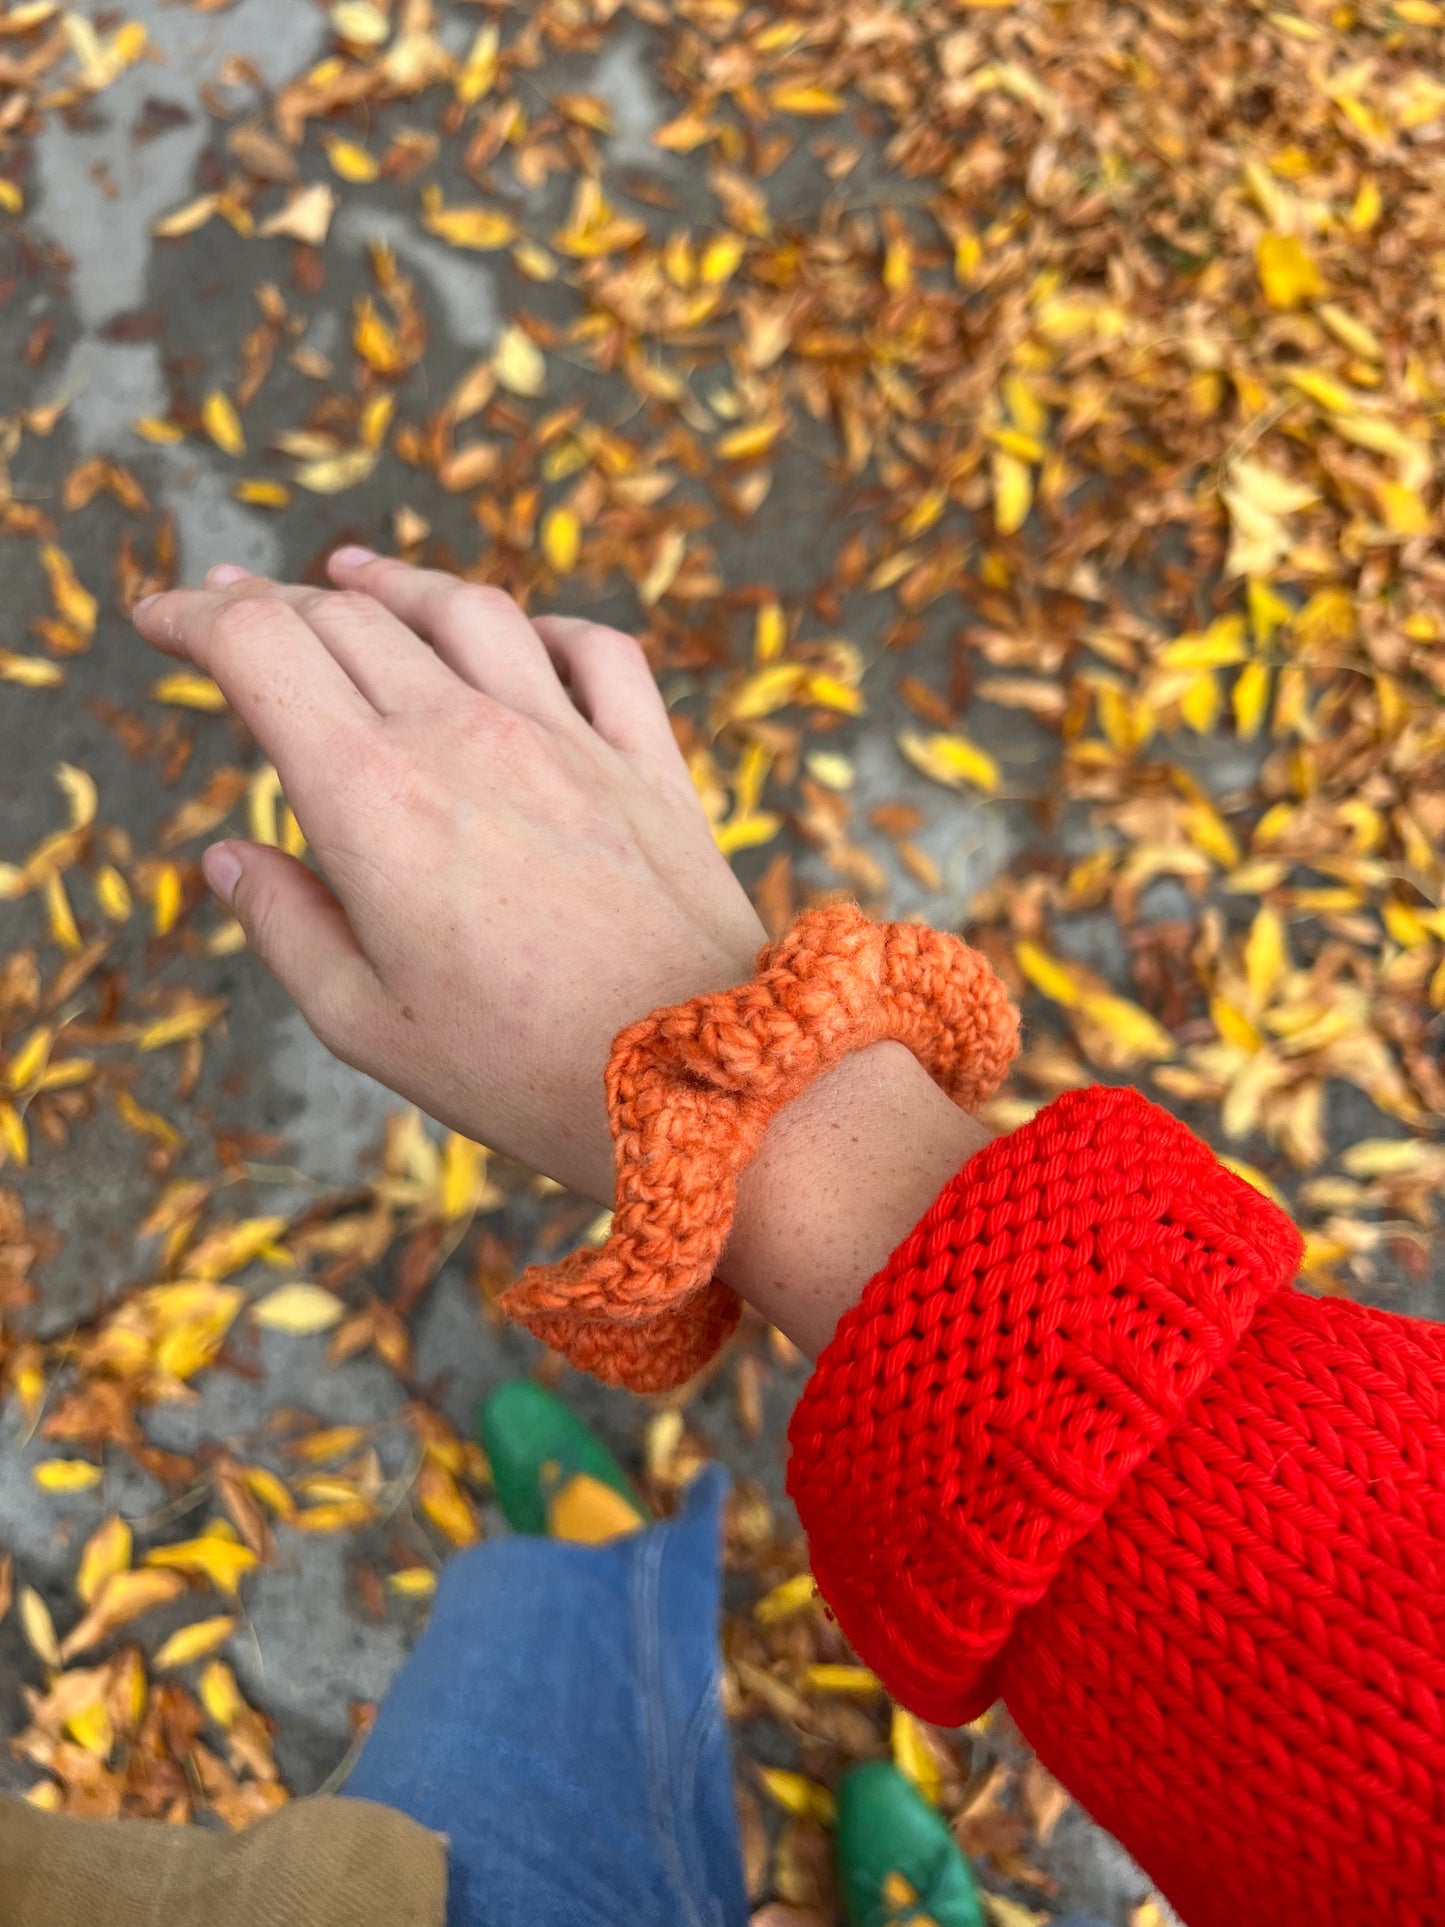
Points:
(315, 1863)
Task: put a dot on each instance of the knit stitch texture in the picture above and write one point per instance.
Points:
(691, 1091)
(1079, 1449)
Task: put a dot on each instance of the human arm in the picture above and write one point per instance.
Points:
(1083, 1448)
(514, 866)
(1223, 1631)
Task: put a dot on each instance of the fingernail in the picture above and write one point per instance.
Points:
(222, 869)
(144, 604)
(226, 573)
(352, 557)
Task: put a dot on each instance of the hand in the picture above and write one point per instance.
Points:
(515, 862)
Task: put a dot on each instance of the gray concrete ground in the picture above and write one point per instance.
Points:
(308, 1652)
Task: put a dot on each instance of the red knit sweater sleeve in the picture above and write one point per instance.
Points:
(1080, 1448)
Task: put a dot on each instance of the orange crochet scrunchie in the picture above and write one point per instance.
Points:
(692, 1089)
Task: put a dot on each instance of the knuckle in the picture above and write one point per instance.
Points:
(479, 600)
(399, 785)
(310, 602)
(509, 737)
(626, 651)
(547, 769)
(243, 621)
(347, 605)
(476, 723)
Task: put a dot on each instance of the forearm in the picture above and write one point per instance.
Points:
(1080, 1447)
(844, 1174)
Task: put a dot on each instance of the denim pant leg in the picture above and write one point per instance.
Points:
(559, 1722)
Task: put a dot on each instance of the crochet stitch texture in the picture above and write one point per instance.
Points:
(1078, 1448)
(691, 1090)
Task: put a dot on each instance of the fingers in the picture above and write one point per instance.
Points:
(477, 630)
(300, 933)
(388, 662)
(613, 686)
(276, 673)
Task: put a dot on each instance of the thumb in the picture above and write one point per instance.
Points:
(299, 931)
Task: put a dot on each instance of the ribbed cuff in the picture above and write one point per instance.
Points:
(1042, 1328)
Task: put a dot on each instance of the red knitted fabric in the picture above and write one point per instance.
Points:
(1077, 1449)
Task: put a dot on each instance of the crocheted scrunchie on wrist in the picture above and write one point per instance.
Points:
(691, 1091)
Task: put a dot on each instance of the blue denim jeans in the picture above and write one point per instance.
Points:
(559, 1722)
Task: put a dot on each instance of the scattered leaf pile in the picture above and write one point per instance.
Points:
(1097, 350)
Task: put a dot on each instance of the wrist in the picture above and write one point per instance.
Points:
(844, 1174)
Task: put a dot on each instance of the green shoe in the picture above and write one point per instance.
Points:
(552, 1473)
(898, 1864)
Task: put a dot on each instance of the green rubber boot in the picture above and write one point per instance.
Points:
(898, 1864)
(553, 1475)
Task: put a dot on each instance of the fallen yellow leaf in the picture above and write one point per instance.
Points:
(299, 1308)
(124, 1596)
(481, 228)
(913, 1756)
(333, 474)
(187, 691)
(166, 902)
(66, 1475)
(224, 1562)
(31, 672)
(789, 1596)
(1119, 1034)
(76, 604)
(1403, 510)
(464, 1186)
(350, 161)
(744, 444)
(223, 424)
(1251, 696)
(854, 1681)
(112, 893)
(107, 1552)
(186, 220)
(190, 1643)
(952, 760)
(561, 538)
(478, 72)
(1288, 272)
(794, 98)
(37, 1626)
(220, 1695)
(795, 1793)
(151, 428)
(270, 1490)
(1266, 957)
(28, 1062)
(1013, 491)
(519, 363)
(413, 1582)
(446, 1505)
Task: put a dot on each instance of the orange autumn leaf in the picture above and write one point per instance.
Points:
(124, 1597)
